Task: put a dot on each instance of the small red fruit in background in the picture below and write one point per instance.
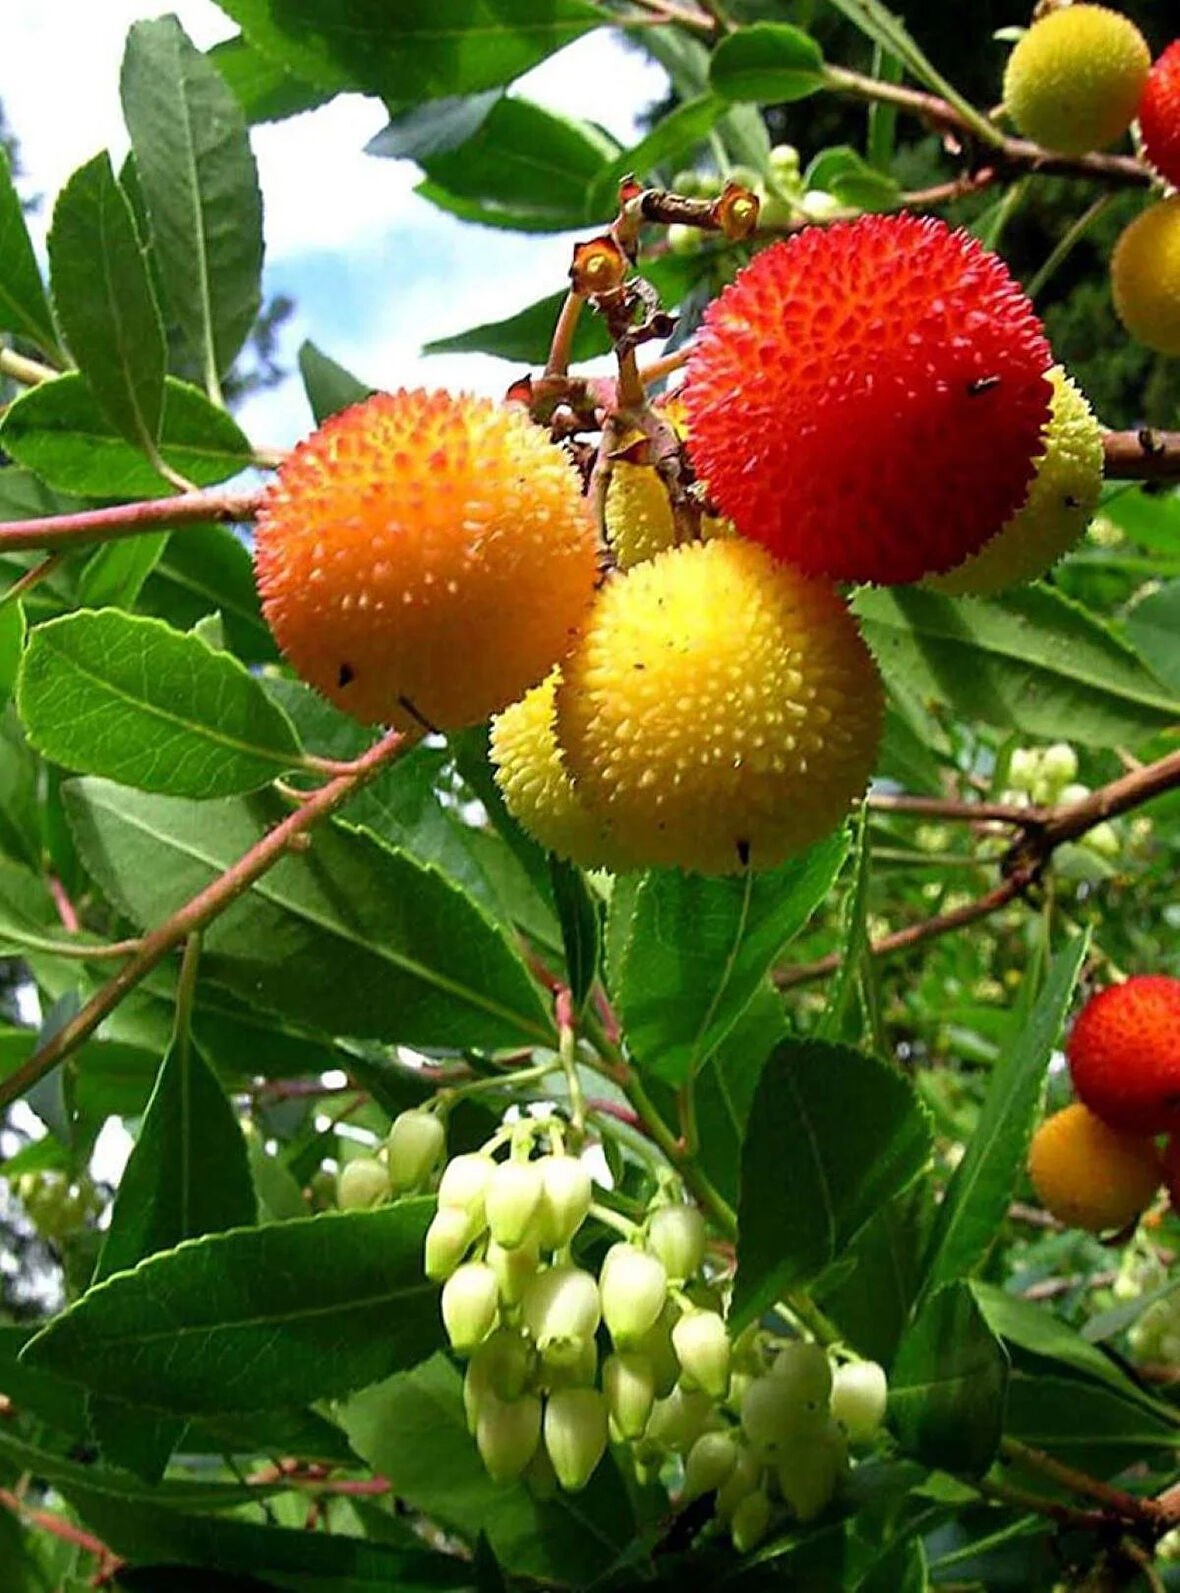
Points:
(1159, 115)
(867, 399)
(1124, 1054)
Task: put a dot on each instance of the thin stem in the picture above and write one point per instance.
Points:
(201, 910)
(498, 1081)
(613, 1219)
(561, 345)
(31, 578)
(127, 520)
(658, 369)
(567, 1041)
(669, 11)
(1143, 455)
(1065, 1515)
(952, 808)
(1117, 1501)
(79, 951)
(686, 1109)
(1066, 244)
(695, 1179)
(30, 373)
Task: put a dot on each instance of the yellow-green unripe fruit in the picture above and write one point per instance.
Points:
(362, 1183)
(701, 1341)
(464, 1184)
(720, 709)
(750, 1519)
(451, 1231)
(508, 1432)
(809, 1473)
(511, 1200)
(1057, 510)
(416, 1141)
(566, 1192)
(639, 518)
(1073, 81)
(1145, 277)
(531, 773)
(629, 1385)
(470, 1302)
(561, 1310)
(677, 1235)
(708, 1464)
(575, 1434)
(859, 1394)
(634, 1286)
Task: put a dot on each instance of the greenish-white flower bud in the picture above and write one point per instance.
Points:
(682, 239)
(810, 1470)
(634, 1286)
(514, 1269)
(566, 1192)
(575, 1434)
(708, 1464)
(511, 1201)
(805, 1369)
(676, 1234)
(783, 161)
(859, 1394)
(561, 1310)
(447, 1239)
(701, 1342)
(464, 1184)
(361, 1184)
(508, 1433)
(1059, 764)
(678, 1421)
(1024, 766)
(820, 206)
(628, 1382)
(501, 1365)
(743, 1479)
(657, 1345)
(750, 1520)
(416, 1141)
(470, 1301)
(774, 1415)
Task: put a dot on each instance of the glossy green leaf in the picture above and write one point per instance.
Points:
(329, 387)
(524, 337)
(982, 1185)
(200, 186)
(900, 1569)
(1031, 661)
(813, 1170)
(24, 307)
(768, 61)
(205, 569)
(699, 947)
(417, 49)
(1083, 1423)
(843, 172)
(12, 640)
(115, 572)
(434, 128)
(350, 935)
(1153, 626)
(264, 89)
(725, 1087)
(60, 432)
(127, 697)
(255, 1318)
(947, 1384)
(412, 1430)
(871, 1299)
(105, 304)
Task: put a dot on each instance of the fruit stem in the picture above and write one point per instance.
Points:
(614, 1219)
(567, 1052)
(127, 520)
(202, 909)
(561, 346)
(496, 1081)
(1065, 245)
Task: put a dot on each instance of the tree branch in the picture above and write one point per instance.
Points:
(201, 910)
(65, 531)
(1144, 455)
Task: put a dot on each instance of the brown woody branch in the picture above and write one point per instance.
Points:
(201, 910)
(1043, 831)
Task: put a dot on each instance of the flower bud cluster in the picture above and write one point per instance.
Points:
(405, 1163)
(56, 1206)
(1048, 776)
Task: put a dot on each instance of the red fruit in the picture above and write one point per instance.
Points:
(867, 399)
(1159, 114)
(1124, 1054)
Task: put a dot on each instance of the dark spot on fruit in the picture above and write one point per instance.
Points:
(346, 675)
(982, 384)
(1071, 502)
(743, 852)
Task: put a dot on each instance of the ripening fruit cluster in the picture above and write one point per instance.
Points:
(56, 1205)
(1074, 83)
(1096, 1164)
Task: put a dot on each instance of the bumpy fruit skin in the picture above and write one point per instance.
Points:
(1145, 277)
(1159, 115)
(721, 709)
(1091, 1176)
(1124, 1054)
(867, 398)
(425, 547)
(1059, 506)
(531, 772)
(1073, 81)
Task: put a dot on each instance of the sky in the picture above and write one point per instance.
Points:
(374, 270)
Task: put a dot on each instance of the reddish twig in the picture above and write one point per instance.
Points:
(127, 520)
(951, 808)
(66, 910)
(201, 910)
(58, 1527)
(623, 1114)
(1149, 1513)
(1143, 455)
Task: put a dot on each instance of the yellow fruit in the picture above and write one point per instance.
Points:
(1091, 1176)
(1073, 81)
(425, 557)
(538, 791)
(1060, 502)
(639, 519)
(1145, 277)
(720, 710)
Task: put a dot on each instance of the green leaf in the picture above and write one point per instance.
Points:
(848, 1000)
(947, 1384)
(412, 1430)
(525, 336)
(205, 568)
(977, 1197)
(255, 1318)
(127, 697)
(1083, 1423)
(200, 186)
(726, 1084)
(24, 308)
(434, 128)
(871, 1302)
(1152, 626)
(105, 303)
(264, 89)
(115, 572)
(12, 641)
(329, 387)
(415, 50)
(350, 935)
(843, 172)
(1031, 661)
(59, 431)
(580, 925)
(900, 1569)
(671, 140)
(815, 1170)
(770, 62)
(523, 161)
(699, 947)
